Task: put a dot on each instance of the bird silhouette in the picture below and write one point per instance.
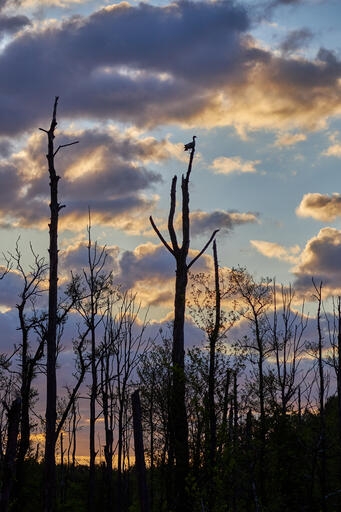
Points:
(190, 145)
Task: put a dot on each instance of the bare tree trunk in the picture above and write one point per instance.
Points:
(211, 383)
(322, 439)
(338, 376)
(74, 435)
(139, 452)
(235, 440)
(93, 396)
(262, 413)
(178, 415)
(223, 428)
(151, 426)
(51, 339)
(11, 449)
(51, 336)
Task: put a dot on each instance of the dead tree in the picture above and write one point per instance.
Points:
(211, 379)
(32, 281)
(13, 414)
(91, 305)
(254, 299)
(139, 452)
(288, 345)
(51, 336)
(335, 361)
(179, 427)
(322, 393)
(130, 346)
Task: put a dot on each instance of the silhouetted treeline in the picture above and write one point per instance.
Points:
(246, 417)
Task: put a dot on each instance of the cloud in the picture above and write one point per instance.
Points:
(289, 139)
(10, 288)
(12, 24)
(320, 206)
(225, 165)
(274, 250)
(333, 150)
(277, 3)
(296, 40)
(320, 259)
(75, 257)
(187, 62)
(127, 62)
(6, 147)
(104, 171)
(150, 271)
(206, 223)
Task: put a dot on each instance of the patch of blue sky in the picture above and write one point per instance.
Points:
(321, 17)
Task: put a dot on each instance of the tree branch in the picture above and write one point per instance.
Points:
(64, 146)
(160, 236)
(202, 250)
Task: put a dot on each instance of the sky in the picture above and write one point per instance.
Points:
(258, 83)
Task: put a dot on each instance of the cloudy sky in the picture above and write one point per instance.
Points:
(258, 83)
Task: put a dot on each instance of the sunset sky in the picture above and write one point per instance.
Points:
(258, 83)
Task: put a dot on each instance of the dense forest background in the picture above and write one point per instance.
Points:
(249, 418)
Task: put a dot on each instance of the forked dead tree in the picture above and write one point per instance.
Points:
(178, 420)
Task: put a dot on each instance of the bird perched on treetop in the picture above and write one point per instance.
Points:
(190, 145)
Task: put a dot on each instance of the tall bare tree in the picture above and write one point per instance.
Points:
(51, 336)
(179, 427)
(29, 321)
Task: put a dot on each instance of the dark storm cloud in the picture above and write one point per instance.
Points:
(295, 40)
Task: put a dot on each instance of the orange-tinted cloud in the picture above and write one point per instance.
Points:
(152, 65)
(274, 250)
(105, 172)
(225, 165)
(320, 260)
(321, 207)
